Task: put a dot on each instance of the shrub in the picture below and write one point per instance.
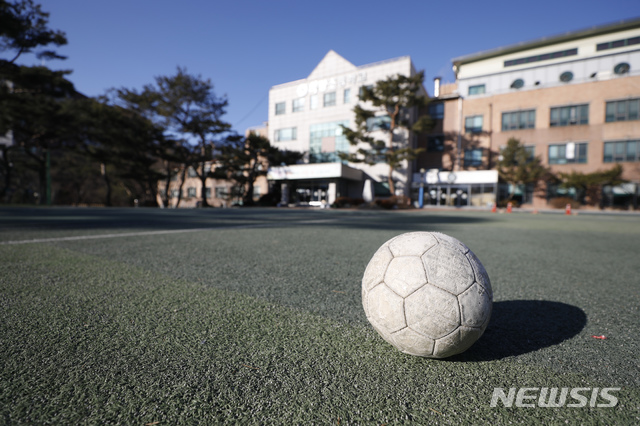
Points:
(395, 201)
(347, 202)
(385, 203)
(269, 199)
(402, 201)
(561, 203)
(503, 203)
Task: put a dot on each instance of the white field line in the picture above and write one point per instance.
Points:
(162, 232)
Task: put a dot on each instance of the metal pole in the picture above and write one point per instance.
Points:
(459, 147)
(48, 188)
(421, 196)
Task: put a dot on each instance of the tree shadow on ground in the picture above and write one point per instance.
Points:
(70, 218)
(521, 326)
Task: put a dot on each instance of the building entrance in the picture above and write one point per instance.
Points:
(313, 193)
(460, 195)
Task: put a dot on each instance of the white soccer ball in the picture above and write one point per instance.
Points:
(427, 294)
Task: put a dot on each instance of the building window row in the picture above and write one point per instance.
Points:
(299, 104)
(515, 120)
(192, 192)
(565, 77)
(286, 134)
(618, 43)
(329, 99)
(621, 151)
(473, 157)
(473, 124)
(436, 110)
(435, 143)
(543, 57)
(624, 110)
(326, 141)
(571, 115)
(478, 89)
(221, 192)
(381, 122)
(565, 153)
(568, 153)
(571, 152)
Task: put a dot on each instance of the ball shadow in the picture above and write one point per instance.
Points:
(521, 326)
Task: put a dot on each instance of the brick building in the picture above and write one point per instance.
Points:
(573, 100)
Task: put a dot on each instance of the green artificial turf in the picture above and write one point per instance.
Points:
(263, 323)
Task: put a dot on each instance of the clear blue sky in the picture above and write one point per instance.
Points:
(245, 47)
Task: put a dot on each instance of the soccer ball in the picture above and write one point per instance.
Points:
(427, 294)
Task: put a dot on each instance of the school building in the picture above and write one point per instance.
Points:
(573, 100)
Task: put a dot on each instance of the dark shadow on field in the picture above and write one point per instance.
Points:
(71, 218)
(521, 326)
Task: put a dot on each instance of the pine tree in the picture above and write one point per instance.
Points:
(384, 119)
(517, 167)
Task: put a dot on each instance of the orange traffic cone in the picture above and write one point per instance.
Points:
(509, 207)
(494, 208)
(567, 209)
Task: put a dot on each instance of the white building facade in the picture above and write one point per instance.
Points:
(306, 115)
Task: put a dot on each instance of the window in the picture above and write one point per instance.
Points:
(191, 172)
(618, 43)
(568, 153)
(473, 124)
(621, 68)
(625, 110)
(207, 192)
(221, 192)
(382, 122)
(313, 101)
(621, 151)
(175, 193)
(191, 191)
(363, 88)
(326, 141)
(572, 115)
(473, 157)
(298, 105)
(329, 99)
(347, 96)
(517, 83)
(543, 57)
(280, 108)
(435, 144)
(515, 120)
(288, 134)
(478, 89)
(436, 110)
(566, 76)
(531, 152)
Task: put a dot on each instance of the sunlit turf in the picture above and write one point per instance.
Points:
(265, 325)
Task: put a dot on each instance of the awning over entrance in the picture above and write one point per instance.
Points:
(462, 188)
(314, 171)
(317, 183)
(435, 176)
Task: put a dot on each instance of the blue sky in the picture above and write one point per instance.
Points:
(245, 47)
